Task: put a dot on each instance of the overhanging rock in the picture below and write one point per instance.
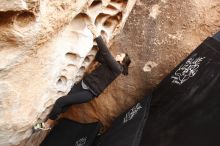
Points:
(45, 48)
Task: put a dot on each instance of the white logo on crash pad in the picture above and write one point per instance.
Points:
(81, 141)
(132, 112)
(187, 70)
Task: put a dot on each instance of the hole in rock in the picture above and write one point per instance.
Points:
(63, 72)
(149, 66)
(95, 3)
(116, 17)
(93, 51)
(119, 1)
(62, 80)
(25, 18)
(60, 92)
(107, 23)
(82, 68)
(79, 22)
(71, 68)
(72, 56)
(111, 7)
(87, 59)
(100, 17)
(6, 17)
(83, 16)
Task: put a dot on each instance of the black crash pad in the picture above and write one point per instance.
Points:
(71, 133)
(185, 107)
(126, 130)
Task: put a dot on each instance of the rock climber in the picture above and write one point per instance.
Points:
(92, 84)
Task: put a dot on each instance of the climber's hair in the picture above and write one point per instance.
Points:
(125, 64)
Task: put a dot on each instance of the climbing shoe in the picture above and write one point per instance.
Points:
(40, 126)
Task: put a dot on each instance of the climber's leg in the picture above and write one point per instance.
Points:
(75, 98)
(63, 102)
(76, 95)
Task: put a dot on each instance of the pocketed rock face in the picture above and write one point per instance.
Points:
(162, 32)
(45, 47)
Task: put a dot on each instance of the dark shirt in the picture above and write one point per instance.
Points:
(104, 74)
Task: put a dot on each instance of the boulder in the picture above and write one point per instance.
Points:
(45, 48)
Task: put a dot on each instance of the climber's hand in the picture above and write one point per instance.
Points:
(93, 29)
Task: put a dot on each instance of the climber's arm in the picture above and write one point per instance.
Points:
(107, 56)
(99, 57)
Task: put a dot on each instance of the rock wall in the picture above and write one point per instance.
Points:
(45, 47)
